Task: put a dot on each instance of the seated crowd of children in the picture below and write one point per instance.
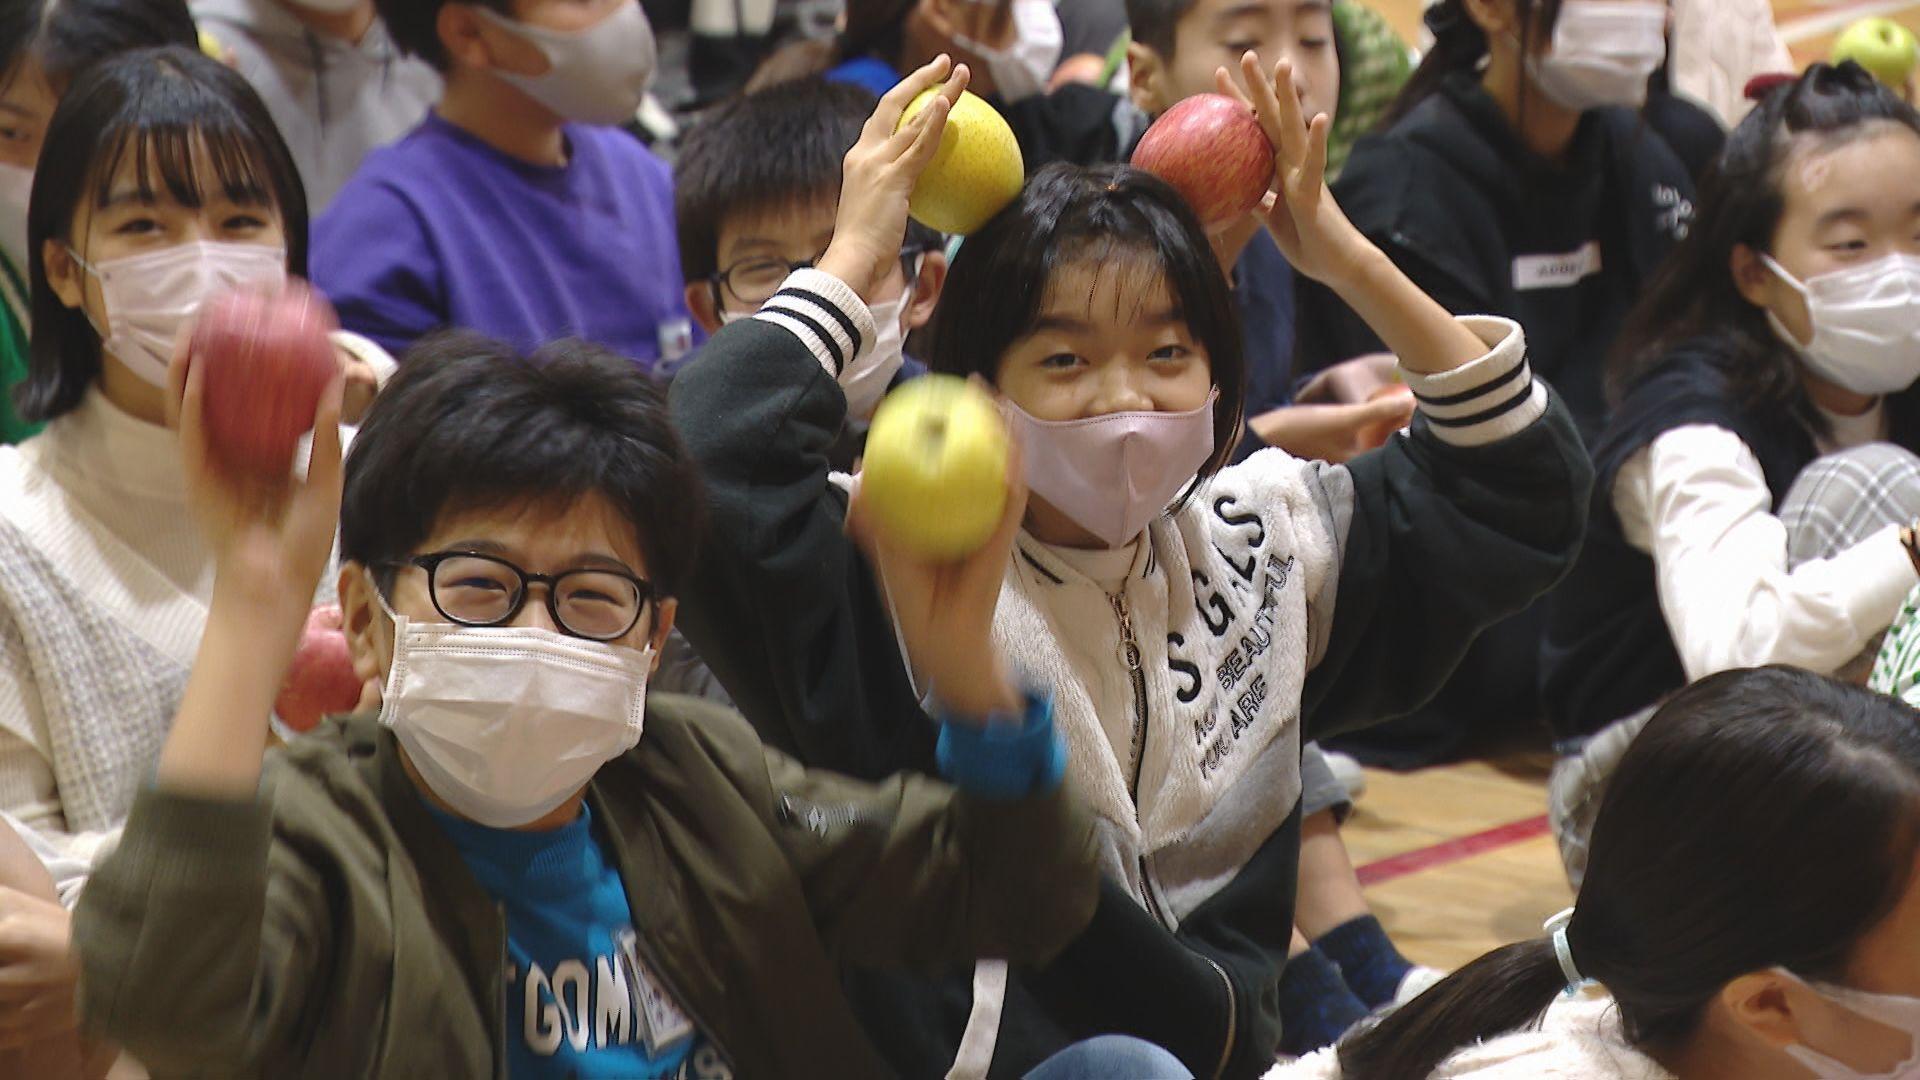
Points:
(672, 761)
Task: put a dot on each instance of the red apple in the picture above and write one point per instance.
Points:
(321, 681)
(1376, 434)
(1211, 149)
(267, 359)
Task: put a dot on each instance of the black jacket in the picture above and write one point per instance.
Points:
(1484, 226)
(1439, 541)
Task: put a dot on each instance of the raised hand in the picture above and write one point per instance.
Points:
(945, 610)
(271, 537)
(878, 175)
(1300, 212)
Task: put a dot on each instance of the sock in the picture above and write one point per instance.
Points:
(1316, 1008)
(1369, 963)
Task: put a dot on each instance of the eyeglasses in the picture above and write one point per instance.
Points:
(484, 590)
(754, 281)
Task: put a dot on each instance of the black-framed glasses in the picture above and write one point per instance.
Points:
(472, 589)
(753, 281)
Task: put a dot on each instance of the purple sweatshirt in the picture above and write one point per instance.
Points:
(442, 230)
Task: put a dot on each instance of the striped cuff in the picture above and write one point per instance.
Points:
(1484, 400)
(826, 315)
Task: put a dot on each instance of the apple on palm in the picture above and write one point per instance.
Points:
(1210, 149)
(976, 171)
(935, 472)
(266, 360)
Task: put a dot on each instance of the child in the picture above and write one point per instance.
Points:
(516, 208)
(1515, 176)
(331, 76)
(1096, 295)
(1749, 508)
(1750, 910)
(43, 43)
(162, 180)
(755, 188)
(522, 865)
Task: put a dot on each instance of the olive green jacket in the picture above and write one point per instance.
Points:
(331, 930)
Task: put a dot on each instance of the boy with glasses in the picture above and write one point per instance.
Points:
(755, 189)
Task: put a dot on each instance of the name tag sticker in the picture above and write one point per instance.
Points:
(1557, 271)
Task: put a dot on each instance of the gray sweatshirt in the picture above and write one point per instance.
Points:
(332, 99)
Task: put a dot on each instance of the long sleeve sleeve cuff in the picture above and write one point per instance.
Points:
(1002, 760)
(1484, 400)
(825, 314)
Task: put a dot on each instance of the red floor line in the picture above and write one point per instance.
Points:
(1452, 851)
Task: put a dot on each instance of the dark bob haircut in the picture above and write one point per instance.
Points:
(65, 36)
(191, 126)
(1069, 214)
(1767, 817)
(468, 423)
(767, 151)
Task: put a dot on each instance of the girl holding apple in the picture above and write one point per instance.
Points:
(162, 180)
(1198, 620)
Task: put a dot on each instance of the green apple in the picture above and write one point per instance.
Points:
(1885, 48)
(976, 171)
(935, 478)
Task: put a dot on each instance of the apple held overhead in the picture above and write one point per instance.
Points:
(1210, 149)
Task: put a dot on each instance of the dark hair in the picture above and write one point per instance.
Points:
(467, 422)
(67, 35)
(1459, 45)
(1067, 214)
(156, 105)
(1765, 817)
(1694, 295)
(767, 151)
(414, 25)
(1154, 23)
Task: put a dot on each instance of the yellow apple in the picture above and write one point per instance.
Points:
(976, 171)
(935, 478)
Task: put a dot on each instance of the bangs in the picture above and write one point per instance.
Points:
(1140, 274)
(188, 162)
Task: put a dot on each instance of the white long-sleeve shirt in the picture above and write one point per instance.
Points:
(1697, 501)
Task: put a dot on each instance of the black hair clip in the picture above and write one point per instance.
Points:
(1444, 18)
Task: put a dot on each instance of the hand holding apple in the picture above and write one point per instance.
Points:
(976, 170)
(1211, 150)
(880, 172)
(267, 359)
(1306, 223)
(938, 504)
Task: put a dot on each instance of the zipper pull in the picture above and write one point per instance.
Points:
(1129, 649)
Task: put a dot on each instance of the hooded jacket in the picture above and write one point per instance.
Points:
(332, 100)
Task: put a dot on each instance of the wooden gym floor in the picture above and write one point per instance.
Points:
(1457, 860)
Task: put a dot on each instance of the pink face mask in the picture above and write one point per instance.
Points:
(1113, 474)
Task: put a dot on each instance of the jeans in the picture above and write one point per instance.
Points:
(1111, 1057)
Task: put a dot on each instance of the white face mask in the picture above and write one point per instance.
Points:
(1603, 53)
(16, 186)
(1893, 1010)
(150, 296)
(505, 723)
(1022, 69)
(598, 75)
(1866, 323)
(867, 378)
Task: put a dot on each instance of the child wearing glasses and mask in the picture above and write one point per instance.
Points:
(744, 229)
(523, 865)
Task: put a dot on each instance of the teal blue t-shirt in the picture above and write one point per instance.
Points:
(581, 1001)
